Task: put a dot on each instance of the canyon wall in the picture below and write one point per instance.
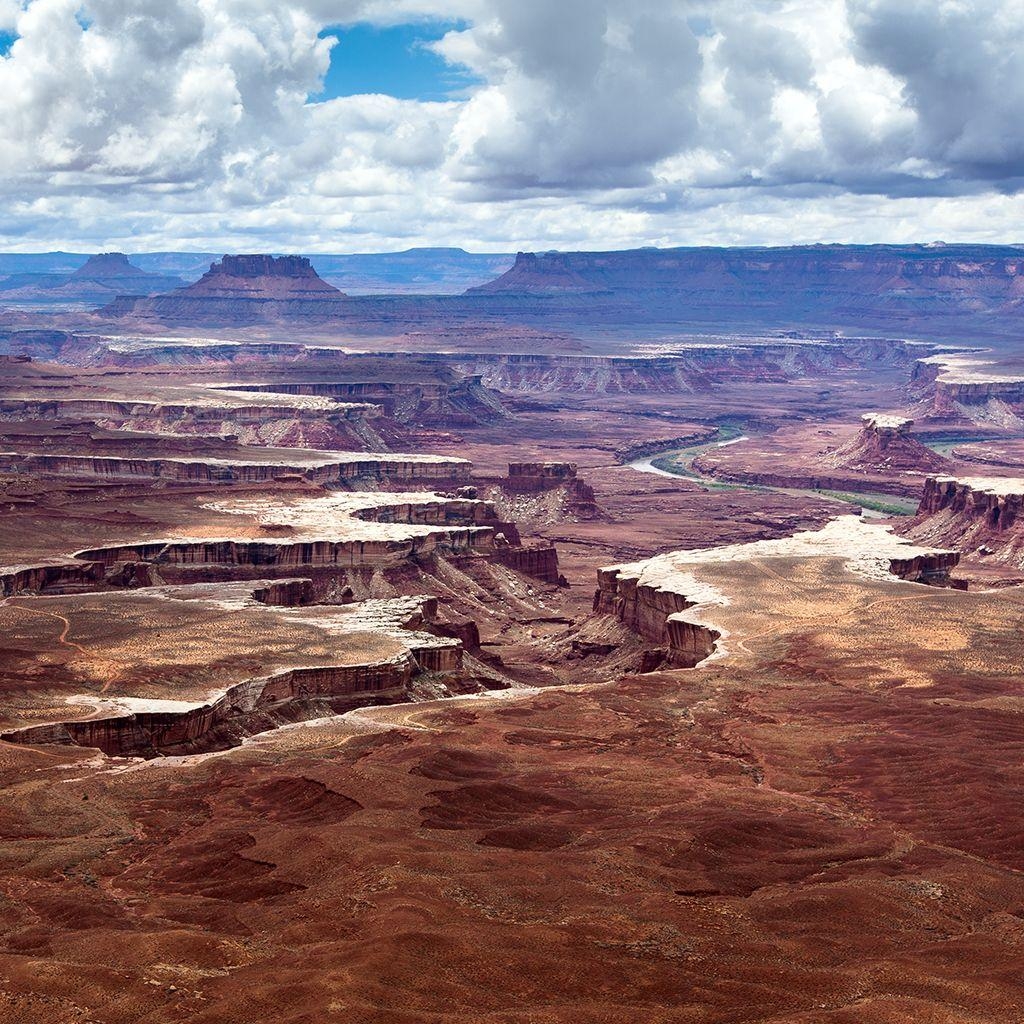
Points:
(244, 710)
(687, 369)
(975, 514)
(537, 560)
(349, 472)
(292, 554)
(457, 402)
(654, 613)
(332, 426)
(822, 284)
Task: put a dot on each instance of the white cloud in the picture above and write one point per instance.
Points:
(601, 123)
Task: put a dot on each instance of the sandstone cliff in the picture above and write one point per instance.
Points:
(241, 290)
(975, 514)
(822, 284)
(669, 599)
(885, 444)
(140, 727)
(101, 278)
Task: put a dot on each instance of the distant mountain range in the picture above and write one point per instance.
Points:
(100, 278)
(907, 289)
(437, 271)
(953, 292)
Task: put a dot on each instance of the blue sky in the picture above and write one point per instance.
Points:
(6, 39)
(394, 61)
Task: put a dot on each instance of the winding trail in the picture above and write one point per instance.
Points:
(63, 638)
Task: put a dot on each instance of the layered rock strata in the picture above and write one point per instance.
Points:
(461, 401)
(243, 290)
(137, 727)
(885, 444)
(939, 285)
(978, 514)
(57, 577)
(285, 420)
(667, 599)
(682, 369)
(331, 469)
(967, 387)
(537, 560)
(579, 499)
(334, 534)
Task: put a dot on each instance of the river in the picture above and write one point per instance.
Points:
(872, 504)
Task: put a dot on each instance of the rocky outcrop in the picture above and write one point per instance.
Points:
(285, 593)
(242, 290)
(533, 477)
(537, 560)
(653, 611)
(885, 444)
(261, 276)
(976, 514)
(578, 500)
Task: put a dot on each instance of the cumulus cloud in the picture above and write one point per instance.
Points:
(579, 93)
(961, 66)
(600, 122)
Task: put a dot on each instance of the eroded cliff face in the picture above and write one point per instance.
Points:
(59, 578)
(138, 727)
(654, 612)
(687, 369)
(975, 514)
(537, 560)
(877, 284)
(261, 276)
(340, 470)
(244, 710)
(969, 386)
(292, 554)
(241, 291)
(885, 443)
(998, 403)
(460, 401)
(327, 425)
(668, 599)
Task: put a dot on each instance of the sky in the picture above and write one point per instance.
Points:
(505, 125)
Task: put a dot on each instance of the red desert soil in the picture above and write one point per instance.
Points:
(823, 831)
(820, 824)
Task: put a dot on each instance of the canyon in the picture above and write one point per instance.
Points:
(633, 637)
